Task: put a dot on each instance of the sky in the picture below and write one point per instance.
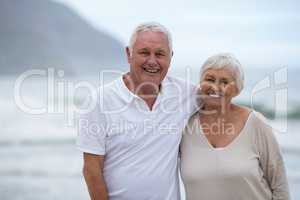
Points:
(261, 34)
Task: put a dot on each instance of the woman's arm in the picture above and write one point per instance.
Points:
(272, 162)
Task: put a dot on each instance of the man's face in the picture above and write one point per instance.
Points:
(150, 59)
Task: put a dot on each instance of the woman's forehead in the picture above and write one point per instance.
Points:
(221, 72)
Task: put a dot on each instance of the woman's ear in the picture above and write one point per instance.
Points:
(236, 91)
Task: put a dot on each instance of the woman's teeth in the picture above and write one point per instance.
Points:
(214, 95)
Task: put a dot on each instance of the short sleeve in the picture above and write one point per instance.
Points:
(91, 134)
(271, 160)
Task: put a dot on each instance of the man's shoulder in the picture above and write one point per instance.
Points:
(110, 88)
(109, 93)
(179, 81)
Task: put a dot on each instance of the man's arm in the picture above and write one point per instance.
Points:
(92, 171)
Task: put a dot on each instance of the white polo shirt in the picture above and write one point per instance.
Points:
(140, 145)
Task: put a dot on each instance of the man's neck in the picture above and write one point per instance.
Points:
(148, 93)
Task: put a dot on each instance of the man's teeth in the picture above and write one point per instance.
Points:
(151, 70)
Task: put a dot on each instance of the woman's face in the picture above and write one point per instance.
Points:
(218, 87)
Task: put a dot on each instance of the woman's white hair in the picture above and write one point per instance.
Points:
(227, 61)
(150, 26)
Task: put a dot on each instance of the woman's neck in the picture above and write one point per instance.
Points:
(222, 112)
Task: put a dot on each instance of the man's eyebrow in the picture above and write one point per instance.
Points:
(143, 49)
(161, 51)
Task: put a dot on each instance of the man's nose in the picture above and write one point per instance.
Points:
(152, 59)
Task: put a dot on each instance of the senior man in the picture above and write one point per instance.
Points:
(133, 153)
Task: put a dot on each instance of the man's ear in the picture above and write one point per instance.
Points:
(128, 54)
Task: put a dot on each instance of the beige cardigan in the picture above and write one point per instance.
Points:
(249, 168)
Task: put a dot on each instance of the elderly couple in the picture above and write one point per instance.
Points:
(148, 129)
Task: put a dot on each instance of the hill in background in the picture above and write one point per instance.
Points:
(42, 34)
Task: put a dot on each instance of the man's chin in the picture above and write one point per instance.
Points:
(152, 80)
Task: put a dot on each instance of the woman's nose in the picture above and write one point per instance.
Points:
(216, 87)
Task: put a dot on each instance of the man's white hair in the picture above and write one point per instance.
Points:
(227, 61)
(150, 26)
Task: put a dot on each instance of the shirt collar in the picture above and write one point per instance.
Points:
(128, 96)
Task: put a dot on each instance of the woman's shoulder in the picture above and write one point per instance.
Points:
(242, 110)
(257, 118)
(260, 120)
(260, 127)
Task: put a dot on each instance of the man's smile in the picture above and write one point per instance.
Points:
(152, 70)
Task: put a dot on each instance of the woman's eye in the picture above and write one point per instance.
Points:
(224, 82)
(210, 80)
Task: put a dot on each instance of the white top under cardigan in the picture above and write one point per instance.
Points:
(249, 168)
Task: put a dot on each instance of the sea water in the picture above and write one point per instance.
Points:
(38, 157)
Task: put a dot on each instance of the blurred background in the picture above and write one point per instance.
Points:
(52, 52)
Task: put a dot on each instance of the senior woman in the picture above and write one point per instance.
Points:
(229, 152)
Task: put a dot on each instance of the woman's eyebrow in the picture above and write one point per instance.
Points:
(209, 76)
(224, 78)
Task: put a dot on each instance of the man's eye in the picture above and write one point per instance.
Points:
(144, 53)
(160, 54)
